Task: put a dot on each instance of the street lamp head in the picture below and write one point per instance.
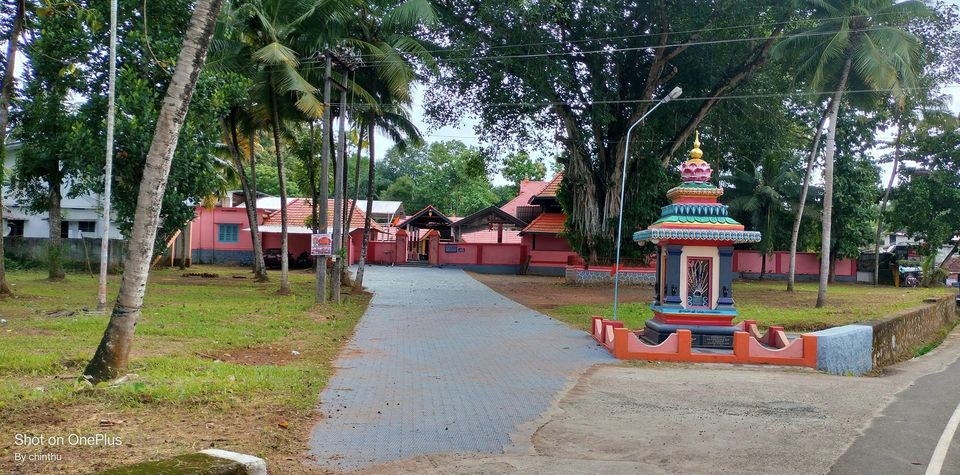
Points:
(675, 93)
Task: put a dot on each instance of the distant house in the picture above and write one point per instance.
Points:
(81, 215)
(953, 270)
(222, 235)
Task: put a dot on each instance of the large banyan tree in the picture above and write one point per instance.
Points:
(587, 69)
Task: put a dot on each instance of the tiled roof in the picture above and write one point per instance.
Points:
(300, 209)
(954, 265)
(528, 189)
(485, 237)
(546, 223)
(550, 191)
(434, 212)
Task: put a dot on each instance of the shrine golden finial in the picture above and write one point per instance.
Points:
(696, 153)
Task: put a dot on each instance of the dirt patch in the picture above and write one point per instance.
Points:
(262, 429)
(541, 293)
(259, 356)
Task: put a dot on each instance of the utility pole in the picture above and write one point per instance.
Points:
(321, 261)
(108, 169)
(338, 200)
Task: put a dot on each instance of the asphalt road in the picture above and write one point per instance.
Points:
(902, 439)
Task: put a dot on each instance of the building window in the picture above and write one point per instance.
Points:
(698, 282)
(15, 227)
(87, 227)
(228, 233)
(64, 229)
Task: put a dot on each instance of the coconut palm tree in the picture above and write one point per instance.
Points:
(760, 193)
(384, 38)
(858, 45)
(279, 35)
(919, 112)
(113, 353)
(5, 94)
(802, 201)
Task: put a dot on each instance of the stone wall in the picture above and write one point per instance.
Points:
(577, 275)
(78, 251)
(896, 338)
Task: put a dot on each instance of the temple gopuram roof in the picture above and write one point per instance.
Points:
(695, 214)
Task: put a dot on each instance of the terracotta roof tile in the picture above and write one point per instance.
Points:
(550, 191)
(954, 265)
(300, 210)
(546, 223)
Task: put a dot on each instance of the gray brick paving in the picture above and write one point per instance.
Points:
(442, 364)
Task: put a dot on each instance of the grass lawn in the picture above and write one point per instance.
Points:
(766, 302)
(217, 362)
(769, 304)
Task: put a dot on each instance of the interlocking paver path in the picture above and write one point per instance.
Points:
(442, 364)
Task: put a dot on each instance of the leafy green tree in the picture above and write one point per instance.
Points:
(403, 189)
(278, 36)
(520, 166)
(590, 91)
(856, 190)
(926, 205)
(858, 44)
(113, 354)
(449, 175)
(17, 21)
(760, 193)
(47, 120)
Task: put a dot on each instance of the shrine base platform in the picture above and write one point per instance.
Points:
(702, 336)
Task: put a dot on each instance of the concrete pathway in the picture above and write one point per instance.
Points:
(442, 364)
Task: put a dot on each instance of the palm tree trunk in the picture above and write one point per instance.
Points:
(7, 91)
(55, 246)
(183, 248)
(828, 182)
(366, 220)
(113, 353)
(886, 199)
(261, 275)
(312, 175)
(348, 218)
(801, 203)
(763, 263)
(249, 196)
(282, 176)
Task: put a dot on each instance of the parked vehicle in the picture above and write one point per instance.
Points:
(272, 258)
(304, 260)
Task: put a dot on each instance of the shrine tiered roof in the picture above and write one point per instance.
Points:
(695, 214)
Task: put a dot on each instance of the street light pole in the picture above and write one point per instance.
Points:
(108, 169)
(675, 93)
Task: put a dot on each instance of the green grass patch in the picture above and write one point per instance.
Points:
(770, 304)
(938, 338)
(190, 347)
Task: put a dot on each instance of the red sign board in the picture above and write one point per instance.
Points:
(321, 245)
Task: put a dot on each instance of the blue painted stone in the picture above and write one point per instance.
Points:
(846, 350)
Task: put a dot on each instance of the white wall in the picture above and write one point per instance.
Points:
(82, 208)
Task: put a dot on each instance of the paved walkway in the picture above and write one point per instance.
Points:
(442, 364)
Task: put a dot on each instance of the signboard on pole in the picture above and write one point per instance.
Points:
(321, 244)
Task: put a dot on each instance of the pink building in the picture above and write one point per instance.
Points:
(222, 235)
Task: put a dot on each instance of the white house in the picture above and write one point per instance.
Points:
(81, 215)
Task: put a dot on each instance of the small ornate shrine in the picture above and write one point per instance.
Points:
(694, 238)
